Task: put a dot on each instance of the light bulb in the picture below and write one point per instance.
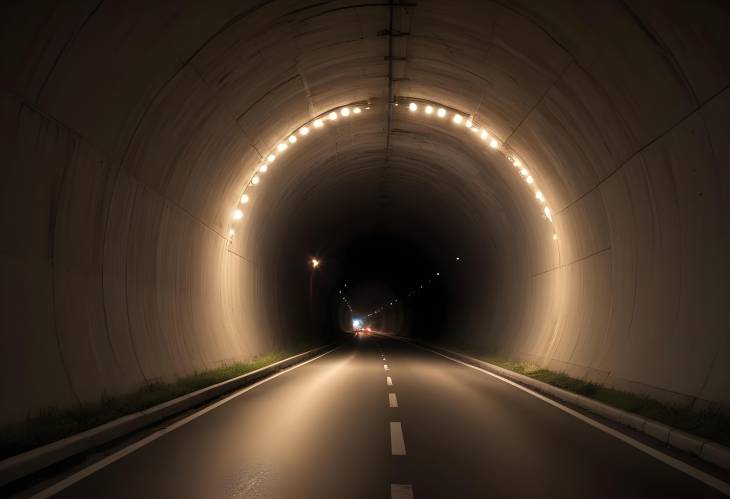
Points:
(237, 215)
(413, 106)
(244, 199)
(493, 144)
(318, 123)
(469, 123)
(555, 237)
(281, 147)
(345, 111)
(231, 232)
(304, 131)
(549, 216)
(484, 134)
(529, 179)
(517, 163)
(523, 172)
(292, 139)
(255, 180)
(357, 110)
(458, 119)
(264, 168)
(270, 158)
(441, 112)
(540, 197)
(332, 116)
(429, 109)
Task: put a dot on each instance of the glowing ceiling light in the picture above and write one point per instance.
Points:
(493, 144)
(413, 106)
(555, 237)
(540, 197)
(332, 116)
(304, 131)
(357, 110)
(469, 123)
(524, 172)
(529, 179)
(237, 215)
(292, 139)
(549, 215)
(282, 147)
(345, 111)
(429, 109)
(318, 123)
(231, 232)
(264, 168)
(255, 180)
(441, 112)
(244, 199)
(458, 119)
(315, 263)
(270, 158)
(516, 162)
(484, 135)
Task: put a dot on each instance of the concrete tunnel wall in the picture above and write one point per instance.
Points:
(129, 131)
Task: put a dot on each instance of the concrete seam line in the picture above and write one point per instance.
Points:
(685, 468)
(16, 467)
(717, 454)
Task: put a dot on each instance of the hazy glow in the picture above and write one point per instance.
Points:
(413, 106)
(237, 215)
(318, 123)
(524, 172)
(548, 214)
(469, 123)
(529, 179)
(264, 168)
(555, 237)
(357, 110)
(429, 109)
(493, 144)
(270, 158)
(244, 199)
(255, 180)
(441, 112)
(292, 139)
(458, 119)
(304, 131)
(332, 116)
(484, 135)
(345, 111)
(281, 147)
(539, 196)
(231, 232)
(315, 264)
(517, 162)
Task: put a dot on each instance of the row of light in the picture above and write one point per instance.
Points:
(410, 293)
(463, 120)
(283, 146)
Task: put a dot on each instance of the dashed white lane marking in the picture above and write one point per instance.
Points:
(392, 400)
(389, 381)
(385, 366)
(397, 445)
(81, 474)
(401, 491)
(675, 463)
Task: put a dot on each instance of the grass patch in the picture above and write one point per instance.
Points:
(55, 424)
(712, 425)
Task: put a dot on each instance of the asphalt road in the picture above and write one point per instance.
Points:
(327, 430)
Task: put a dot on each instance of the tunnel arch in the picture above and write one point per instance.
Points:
(128, 133)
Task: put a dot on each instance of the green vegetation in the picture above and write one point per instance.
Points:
(55, 424)
(712, 425)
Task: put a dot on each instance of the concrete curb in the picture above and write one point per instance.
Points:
(707, 450)
(21, 465)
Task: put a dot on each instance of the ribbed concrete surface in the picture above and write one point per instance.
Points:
(129, 131)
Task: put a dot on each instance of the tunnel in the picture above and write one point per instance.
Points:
(191, 184)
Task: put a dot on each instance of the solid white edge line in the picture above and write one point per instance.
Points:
(389, 381)
(397, 444)
(93, 468)
(675, 463)
(392, 400)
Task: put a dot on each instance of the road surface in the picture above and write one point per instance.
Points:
(347, 426)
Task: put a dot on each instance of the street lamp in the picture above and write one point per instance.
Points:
(315, 263)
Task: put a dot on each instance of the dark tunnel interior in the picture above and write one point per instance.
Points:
(547, 181)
